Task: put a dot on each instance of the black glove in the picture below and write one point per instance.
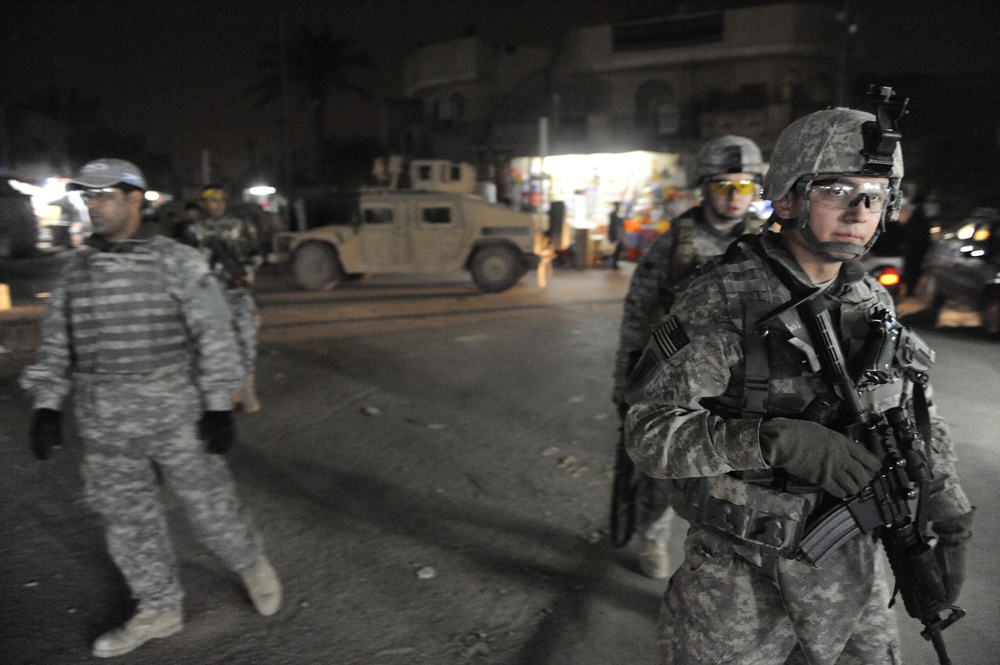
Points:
(46, 432)
(216, 429)
(817, 454)
(950, 551)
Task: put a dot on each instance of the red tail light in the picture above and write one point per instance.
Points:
(889, 277)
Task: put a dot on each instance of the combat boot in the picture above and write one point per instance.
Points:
(654, 559)
(144, 626)
(263, 586)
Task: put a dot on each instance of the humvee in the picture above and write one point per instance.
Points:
(409, 231)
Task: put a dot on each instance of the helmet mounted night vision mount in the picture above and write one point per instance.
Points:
(881, 136)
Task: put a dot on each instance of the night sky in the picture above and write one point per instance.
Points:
(178, 70)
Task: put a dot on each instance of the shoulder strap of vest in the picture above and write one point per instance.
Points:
(744, 240)
(756, 357)
(684, 254)
(753, 224)
(781, 272)
(756, 360)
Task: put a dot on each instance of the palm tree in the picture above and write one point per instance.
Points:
(314, 64)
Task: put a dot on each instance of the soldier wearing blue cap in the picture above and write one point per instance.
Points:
(138, 331)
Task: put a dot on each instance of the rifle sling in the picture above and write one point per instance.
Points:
(756, 361)
(922, 419)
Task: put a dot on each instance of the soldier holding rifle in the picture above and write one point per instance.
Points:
(781, 396)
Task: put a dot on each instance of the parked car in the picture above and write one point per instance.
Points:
(885, 260)
(963, 269)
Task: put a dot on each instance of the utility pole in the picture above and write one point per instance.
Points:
(286, 119)
(846, 19)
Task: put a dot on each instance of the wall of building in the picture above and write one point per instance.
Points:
(664, 84)
(443, 64)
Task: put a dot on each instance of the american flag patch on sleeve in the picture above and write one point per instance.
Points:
(670, 336)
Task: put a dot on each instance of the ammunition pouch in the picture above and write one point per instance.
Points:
(747, 513)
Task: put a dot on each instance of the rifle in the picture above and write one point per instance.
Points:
(236, 274)
(623, 492)
(883, 507)
(635, 497)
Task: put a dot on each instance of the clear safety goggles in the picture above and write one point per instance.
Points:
(725, 187)
(102, 194)
(844, 194)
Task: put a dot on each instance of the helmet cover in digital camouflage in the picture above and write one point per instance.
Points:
(728, 154)
(826, 142)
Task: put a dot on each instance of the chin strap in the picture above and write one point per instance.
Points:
(825, 249)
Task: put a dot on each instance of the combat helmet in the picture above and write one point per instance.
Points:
(837, 140)
(728, 154)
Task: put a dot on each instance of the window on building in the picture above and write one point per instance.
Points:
(668, 119)
(668, 32)
(656, 108)
(457, 104)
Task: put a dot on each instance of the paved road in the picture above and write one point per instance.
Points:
(431, 472)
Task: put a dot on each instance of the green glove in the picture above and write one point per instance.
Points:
(817, 454)
(953, 536)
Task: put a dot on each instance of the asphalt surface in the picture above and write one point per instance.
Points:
(431, 473)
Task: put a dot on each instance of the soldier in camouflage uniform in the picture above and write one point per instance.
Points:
(716, 401)
(137, 329)
(233, 250)
(728, 170)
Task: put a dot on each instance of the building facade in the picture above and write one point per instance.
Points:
(661, 84)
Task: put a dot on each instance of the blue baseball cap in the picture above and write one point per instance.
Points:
(108, 172)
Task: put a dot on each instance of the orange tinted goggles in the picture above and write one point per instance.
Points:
(725, 187)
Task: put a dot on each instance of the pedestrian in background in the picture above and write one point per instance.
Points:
(231, 246)
(916, 243)
(726, 402)
(136, 328)
(616, 234)
(728, 172)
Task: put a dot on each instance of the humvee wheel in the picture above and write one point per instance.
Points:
(316, 267)
(496, 268)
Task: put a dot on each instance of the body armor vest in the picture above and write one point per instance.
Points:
(777, 378)
(122, 314)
